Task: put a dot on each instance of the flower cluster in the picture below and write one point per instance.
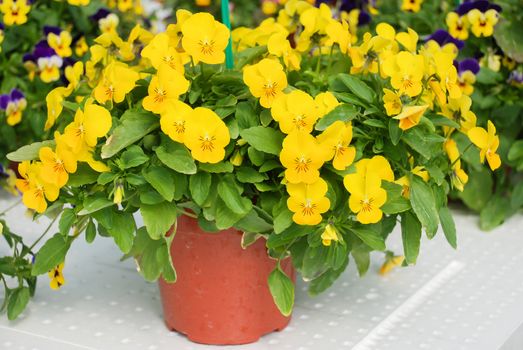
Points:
(315, 140)
(479, 17)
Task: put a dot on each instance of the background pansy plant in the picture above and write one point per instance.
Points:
(320, 159)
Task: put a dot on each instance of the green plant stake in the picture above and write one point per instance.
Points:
(229, 59)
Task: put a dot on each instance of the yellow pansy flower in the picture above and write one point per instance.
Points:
(482, 23)
(409, 39)
(406, 71)
(54, 101)
(56, 277)
(174, 31)
(410, 116)
(206, 135)
(325, 103)
(159, 52)
(392, 102)
(411, 5)
(166, 86)
(308, 201)
(38, 190)
(124, 5)
(81, 47)
(466, 82)
(269, 7)
(367, 196)
(458, 176)
(329, 235)
(339, 33)
(295, 111)
(390, 263)
(336, 139)
(117, 81)
(204, 38)
(73, 74)
(314, 21)
(488, 142)
(61, 43)
(88, 125)
(364, 59)
(57, 165)
(173, 119)
(459, 111)
(266, 80)
(302, 157)
(458, 26)
(109, 23)
(203, 3)
(78, 2)
(26, 169)
(279, 46)
(15, 11)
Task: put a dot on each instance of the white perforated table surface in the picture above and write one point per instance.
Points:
(466, 299)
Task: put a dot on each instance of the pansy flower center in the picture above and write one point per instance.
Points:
(366, 204)
(206, 46)
(308, 207)
(301, 164)
(207, 142)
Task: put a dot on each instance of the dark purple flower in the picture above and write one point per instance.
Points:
(4, 101)
(52, 29)
(443, 37)
(516, 77)
(42, 49)
(363, 18)
(101, 13)
(2, 27)
(16, 95)
(468, 64)
(28, 57)
(482, 5)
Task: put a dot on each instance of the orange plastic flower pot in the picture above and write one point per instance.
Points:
(221, 295)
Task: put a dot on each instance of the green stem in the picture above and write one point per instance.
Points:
(229, 59)
(11, 207)
(43, 234)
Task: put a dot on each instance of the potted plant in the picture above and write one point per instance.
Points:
(303, 150)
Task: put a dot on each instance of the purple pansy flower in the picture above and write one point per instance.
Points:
(15, 96)
(101, 13)
(468, 64)
(516, 78)
(52, 29)
(482, 5)
(443, 37)
(13, 104)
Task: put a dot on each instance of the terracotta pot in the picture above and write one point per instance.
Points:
(221, 295)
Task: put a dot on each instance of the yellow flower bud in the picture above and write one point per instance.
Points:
(329, 235)
(237, 159)
(118, 193)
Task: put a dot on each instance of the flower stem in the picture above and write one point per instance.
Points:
(43, 234)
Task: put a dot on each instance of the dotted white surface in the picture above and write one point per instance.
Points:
(466, 299)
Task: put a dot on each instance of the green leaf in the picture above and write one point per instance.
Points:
(135, 125)
(290, 234)
(105, 178)
(176, 156)
(394, 131)
(396, 203)
(263, 139)
(282, 290)
(411, 236)
(225, 217)
(161, 180)
(199, 186)
(51, 254)
(516, 198)
(494, 213)
(66, 221)
(314, 262)
(358, 87)
(370, 237)
(325, 280)
(29, 152)
(478, 189)
(158, 218)
(133, 157)
(448, 225)
(253, 223)
(122, 230)
(90, 232)
(153, 257)
(362, 259)
(343, 112)
(84, 175)
(283, 219)
(18, 300)
(424, 205)
(93, 204)
(246, 115)
(222, 167)
(249, 55)
(509, 36)
(516, 151)
(249, 175)
(231, 194)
